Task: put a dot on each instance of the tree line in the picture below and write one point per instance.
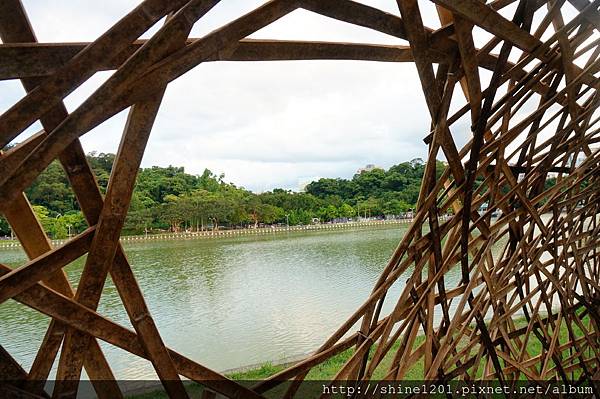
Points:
(169, 199)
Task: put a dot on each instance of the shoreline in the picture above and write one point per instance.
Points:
(134, 388)
(260, 371)
(261, 231)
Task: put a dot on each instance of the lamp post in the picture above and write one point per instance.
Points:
(58, 215)
(69, 227)
(287, 220)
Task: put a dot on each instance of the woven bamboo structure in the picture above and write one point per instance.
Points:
(531, 103)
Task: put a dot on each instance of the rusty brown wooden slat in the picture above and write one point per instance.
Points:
(169, 69)
(10, 369)
(14, 156)
(470, 172)
(106, 242)
(581, 5)
(26, 60)
(418, 41)
(30, 233)
(509, 150)
(88, 114)
(492, 21)
(358, 14)
(75, 72)
(74, 314)
(470, 65)
(52, 261)
(34, 239)
(89, 197)
(84, 183)
(8, 390)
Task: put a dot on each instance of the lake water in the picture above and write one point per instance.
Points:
(229, 303)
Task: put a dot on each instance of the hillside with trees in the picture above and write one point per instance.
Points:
(169, 199)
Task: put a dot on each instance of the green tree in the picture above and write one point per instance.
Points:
(369, 207)
(102, 166)
(271, 214)
(395, 207)
(4, 227)
(52, 190)
(346, 211)
(73, 221)
(43, 215)
(328, 187)
(300, 217)
(328, 213)
(173, 212)
(169, 198)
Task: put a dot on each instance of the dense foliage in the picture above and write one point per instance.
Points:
(170, 199)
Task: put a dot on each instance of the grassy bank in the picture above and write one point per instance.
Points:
(324, 371)
(328, 369)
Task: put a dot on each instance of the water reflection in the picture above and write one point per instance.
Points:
(232, 302)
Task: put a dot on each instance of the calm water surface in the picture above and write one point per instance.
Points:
(232, 302)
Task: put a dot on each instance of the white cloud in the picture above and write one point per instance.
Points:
(264, 124)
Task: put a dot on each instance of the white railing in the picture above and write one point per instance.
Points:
(242, 232)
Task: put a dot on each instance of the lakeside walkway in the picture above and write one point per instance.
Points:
(262, 231)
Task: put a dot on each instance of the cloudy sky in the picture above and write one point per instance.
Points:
(263, 124)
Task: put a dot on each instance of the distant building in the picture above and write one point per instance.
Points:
(368, 168)
(302, 183)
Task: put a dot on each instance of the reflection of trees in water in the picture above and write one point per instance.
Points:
(21, 341)
(285, 291)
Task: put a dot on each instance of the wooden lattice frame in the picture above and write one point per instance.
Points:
(513, 148)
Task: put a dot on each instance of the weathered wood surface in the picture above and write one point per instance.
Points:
(535, 117)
